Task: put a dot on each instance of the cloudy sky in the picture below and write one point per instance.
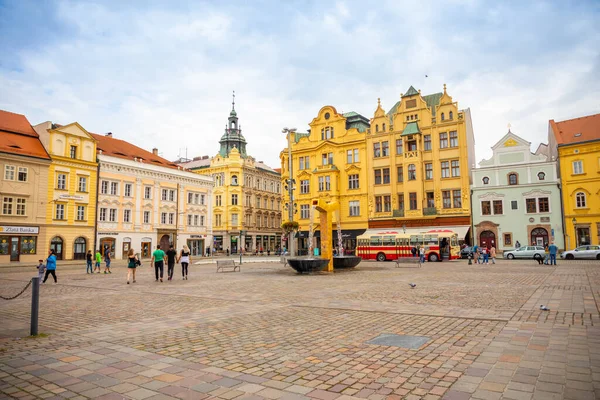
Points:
(161, 73)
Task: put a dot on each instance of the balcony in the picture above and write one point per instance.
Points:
(398, 213)
(429, 211)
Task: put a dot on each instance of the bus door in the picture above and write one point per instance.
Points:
(403, 247)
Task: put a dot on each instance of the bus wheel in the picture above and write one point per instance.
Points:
(380, 257)
(433, 257)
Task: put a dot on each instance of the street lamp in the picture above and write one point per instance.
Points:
(574, 221)
(290, 184)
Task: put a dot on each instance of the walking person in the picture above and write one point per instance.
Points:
(107, 260)
(132, 262)
(486, 255)
(493, 254)
(51, 266)
(98, 261)
(41, 269)
(553, 249)
(185, 260)
(158, 258)
(517, 245)
(422, 255)
(88, 260)
(546, 254)
(476, 251)
(171, 256)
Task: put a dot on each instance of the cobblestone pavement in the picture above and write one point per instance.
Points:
(267, 333)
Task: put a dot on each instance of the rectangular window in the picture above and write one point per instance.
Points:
(21, 206)
(126, 215)
(234, 219)
(202, 199)
(356, 159)
(456, 199)
(400, 172)
(171, 195)
(304, 211)
(354, 208)
(128, 188)
(353, 182)
(234, 199)
(202, 220)
(428, 171)
(445, 169)
(218, 219)
(412, 200)
(349, 156)
(22, 174)
(257, 201)
(7, 205)
(455, 168)
(9, 172)
(543, 204)
(73, 152)
(446, 202)
(386, 176)
(114, 188)
(147, 192)
(453, 139)
(60, 211)
(164, 194)
(61, 181)
(387, 203)
(400, 201)
(376, 149)
(398, 146)
(327, 158)
(508, 239)
(324, 183)
(378, 176)
(577, 167)
(82, 184)
(196, 198)
(378, 204)
(305, 186)
(28, 244)
(498, 207)
(427, 142)
(102, 215)
(146, 217)
(190, 218)
(430, 200)
(112, 215)
(218, 201)
(80, 213)
(443, 140)
(530, 205)
(486, 208)
(163, 218)
(385, 148)
(300, 163)
(514, 204)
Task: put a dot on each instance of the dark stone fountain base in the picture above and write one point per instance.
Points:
(344, 262)
(307, 265)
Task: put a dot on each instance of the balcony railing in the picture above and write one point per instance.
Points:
(398, 213)
(429, 211)
(411, 154)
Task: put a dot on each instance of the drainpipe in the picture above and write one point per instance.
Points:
(176, 217)
(97, 204)
(472, 226)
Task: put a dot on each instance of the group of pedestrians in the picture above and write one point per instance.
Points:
(96, 261)
(158, 260)
(483, 254)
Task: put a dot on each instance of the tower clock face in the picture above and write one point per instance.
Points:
(327, 115)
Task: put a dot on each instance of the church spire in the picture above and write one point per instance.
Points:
(233, 102)
(232, 138)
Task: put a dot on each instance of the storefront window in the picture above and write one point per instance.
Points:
(28, 244)
(3, 245)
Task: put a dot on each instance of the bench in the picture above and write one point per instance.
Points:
(408, 260)
(227, 265)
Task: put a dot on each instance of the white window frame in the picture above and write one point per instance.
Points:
(128, 190)
(578, 167)
(354, 208)
(146, 217)
(114, 188)
(9, 172)
(102, 214)
(584, 196)
(127, 215)
(147, 192)
(23, 170)
(80, 213)
(82, 184)
(63, 181)
(21, 206)
(113, 215)
(59, 210)
(7, 205)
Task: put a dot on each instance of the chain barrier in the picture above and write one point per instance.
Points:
(20, 293)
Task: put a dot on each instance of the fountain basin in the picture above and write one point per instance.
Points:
(307, 265)
(343, 262)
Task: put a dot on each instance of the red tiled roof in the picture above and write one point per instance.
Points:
(122, 149)
(18, 137)
(576, 130)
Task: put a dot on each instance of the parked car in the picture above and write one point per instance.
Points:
(464, 252)
(526, 252)
(587, 252)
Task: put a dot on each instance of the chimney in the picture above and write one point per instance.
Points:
(205, 157)
(109, 134)
(197, 158)
(155, 151)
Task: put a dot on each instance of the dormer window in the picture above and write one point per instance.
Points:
(486, 180)
(450, 115)
(377, 128)
(443, 117)
(541, 176)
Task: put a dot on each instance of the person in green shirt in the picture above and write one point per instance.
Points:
(98, 260)
(158, 258)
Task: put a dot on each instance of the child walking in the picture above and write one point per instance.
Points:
(88, 260)
(41, 269)
(98, 261)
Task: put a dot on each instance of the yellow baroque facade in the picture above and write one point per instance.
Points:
(420, 156)
(576, 143)
(72, 180)
(329, 163)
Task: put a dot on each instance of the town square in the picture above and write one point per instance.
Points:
(287, 200)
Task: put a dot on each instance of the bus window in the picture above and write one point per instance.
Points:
(416, 239)
(454, 241)
(375, 241)
(431, 240)
(388, 241)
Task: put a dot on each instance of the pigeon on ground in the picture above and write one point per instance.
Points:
(412, 285)
(544, 308)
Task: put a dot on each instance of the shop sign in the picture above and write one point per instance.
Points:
(108, 234)
(197, 236)
(25, 230)
(70, 197)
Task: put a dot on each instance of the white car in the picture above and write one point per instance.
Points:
(526, 252)
(587, 252)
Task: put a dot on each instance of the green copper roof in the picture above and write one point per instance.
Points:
(393, 111)
(411, 92)
(433, 100)
(350, 114)
(411, 129)
(299, 135)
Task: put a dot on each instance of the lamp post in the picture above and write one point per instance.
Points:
(574, 220)
(290, 184)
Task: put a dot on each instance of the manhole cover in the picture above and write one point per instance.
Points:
(406, 341)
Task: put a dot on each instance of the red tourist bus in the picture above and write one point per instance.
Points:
(382, 245)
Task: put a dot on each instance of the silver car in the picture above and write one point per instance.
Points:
(587, 252)
(526, 252)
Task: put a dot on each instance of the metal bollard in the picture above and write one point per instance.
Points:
(35, 304)
(470, 256)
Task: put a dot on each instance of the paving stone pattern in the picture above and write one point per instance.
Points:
(267, 333)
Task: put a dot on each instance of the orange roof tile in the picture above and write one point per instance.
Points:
(122, 149)
(18, 137)
(576, 130)
(16, 123)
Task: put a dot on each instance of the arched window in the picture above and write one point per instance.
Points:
(450, 115)
(486, 180)
(580, 200)
(541, 176)
(412, 172)
(408, 117)
(383, 127)
(234, 180)
(443, 117)
(513, 179)
(376, 128)
(56, 244)
(539, 237)
(79, 248)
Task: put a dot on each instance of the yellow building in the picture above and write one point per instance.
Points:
(420, 156)
(330, 163)
(576, 143)
(246, 198)
(72, 177)
(24, 164)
